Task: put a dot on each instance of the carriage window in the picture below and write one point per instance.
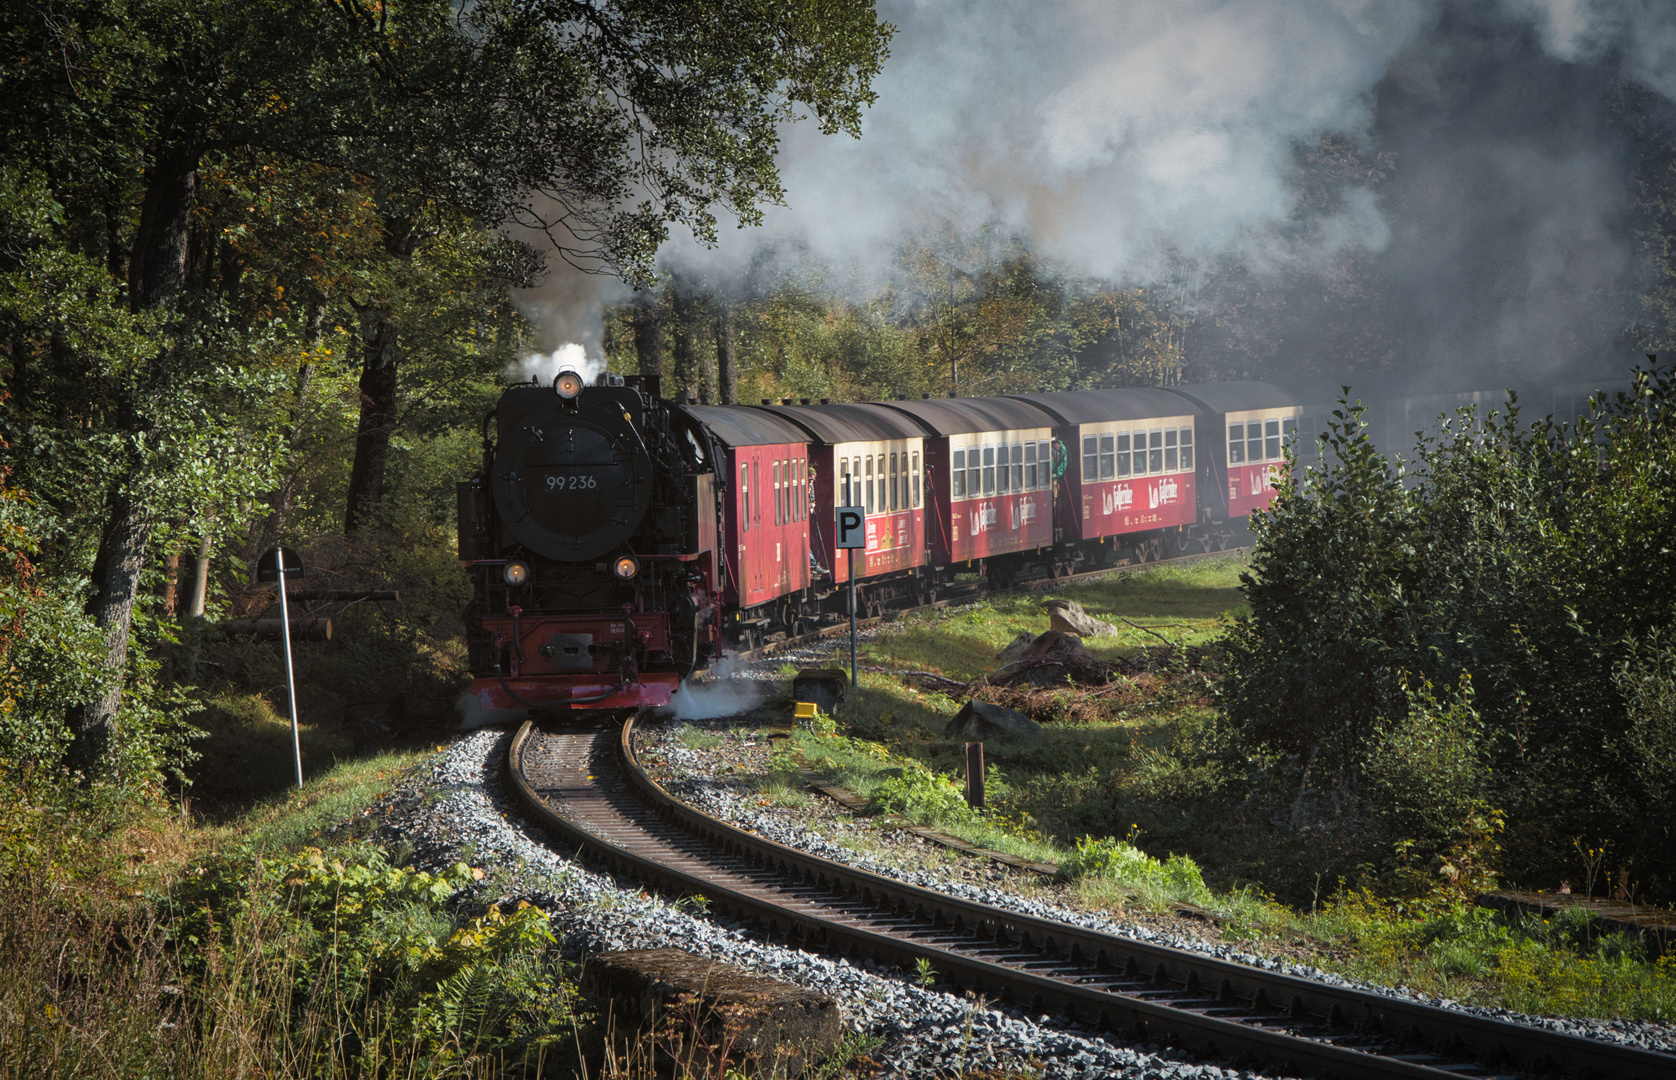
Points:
(1018, 466)
(916, 477)
(745, 498)
(855, 481)
(798, 497)
(1271, 439)
(974, 472)
(1187, 449)
(844, 490)
(989, 470)
(1030, 466)
(1236, 444)
(1155, 459)
(1254, 442)
(893, 482)
(867, 486)
(1108, 457)
(1138, 457)
(1090, 458)
(1004, 475)
(1044, 463)
(957, 476)
(1123, 454)
(779, 501)
(1170, 450)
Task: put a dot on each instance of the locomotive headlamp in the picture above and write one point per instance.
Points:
(625, 568)
(568, 384)
(516, 572)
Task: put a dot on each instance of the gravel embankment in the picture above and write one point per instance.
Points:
(455, 809)
(720, 782)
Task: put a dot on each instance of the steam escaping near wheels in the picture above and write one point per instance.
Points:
(473, 715)
(728, 695)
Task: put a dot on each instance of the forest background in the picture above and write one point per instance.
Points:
(263, 271)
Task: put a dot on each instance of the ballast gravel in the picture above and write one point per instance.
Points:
(695, 780)
(455, 809)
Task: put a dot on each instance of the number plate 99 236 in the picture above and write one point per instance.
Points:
(578, 482)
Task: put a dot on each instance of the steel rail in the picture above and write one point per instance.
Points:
(605, 801)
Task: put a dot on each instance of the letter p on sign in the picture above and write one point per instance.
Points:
(852, 527)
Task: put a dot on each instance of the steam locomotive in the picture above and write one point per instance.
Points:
(617, 541)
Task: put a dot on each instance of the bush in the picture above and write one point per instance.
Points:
(1176, 878)
(1533, 558)
(354, 945)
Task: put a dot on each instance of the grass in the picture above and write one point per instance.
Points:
(1186, 605)
(1127, 780)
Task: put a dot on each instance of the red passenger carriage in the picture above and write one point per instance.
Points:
(990, 477)
(765, 531)
(873, 457)
(1130, 465)
(1244, 427)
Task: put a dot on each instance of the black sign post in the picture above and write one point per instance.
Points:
(852, 534)
(274, 564)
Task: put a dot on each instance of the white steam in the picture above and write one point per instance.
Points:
(545, 367)
(473, 715)
(1107, 132)
(728, 695)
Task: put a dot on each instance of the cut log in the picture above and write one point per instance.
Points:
(309, 596)
(713, 1014)
(1068, 617)
(311, 628)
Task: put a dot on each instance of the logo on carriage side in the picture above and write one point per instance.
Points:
(1262, 479)
(983, 517)
(1162, 494)
(1022, 511)
(1120, 497)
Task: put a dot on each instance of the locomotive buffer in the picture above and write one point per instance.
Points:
(852, 534)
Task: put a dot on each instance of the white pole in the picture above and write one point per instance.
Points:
(290, 677)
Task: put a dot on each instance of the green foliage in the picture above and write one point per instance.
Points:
(1177, 877)
(1564, 965)
(920, 794)
(1532, 559)
(359, 936)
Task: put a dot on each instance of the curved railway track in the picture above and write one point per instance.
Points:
(587, 787)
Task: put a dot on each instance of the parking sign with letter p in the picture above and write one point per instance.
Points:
(852, 527)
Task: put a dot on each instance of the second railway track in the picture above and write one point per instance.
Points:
(587, 787)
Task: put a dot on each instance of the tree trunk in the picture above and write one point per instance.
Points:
(648, 334)
(156, 272)
(378, 417)
(688, 377)
(171, 582)
(380, 360)
(116, 582)
(726, 366)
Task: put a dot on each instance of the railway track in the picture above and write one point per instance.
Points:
(966, 594)
(587, 787)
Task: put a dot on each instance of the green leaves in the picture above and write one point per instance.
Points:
(1530, 558)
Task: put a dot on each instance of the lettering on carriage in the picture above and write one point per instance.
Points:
(1262, 479)
(1119, 497)
(1022, 512)
(1162, 493)
(983, 517)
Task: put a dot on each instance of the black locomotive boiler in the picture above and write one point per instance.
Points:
(590, 537)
